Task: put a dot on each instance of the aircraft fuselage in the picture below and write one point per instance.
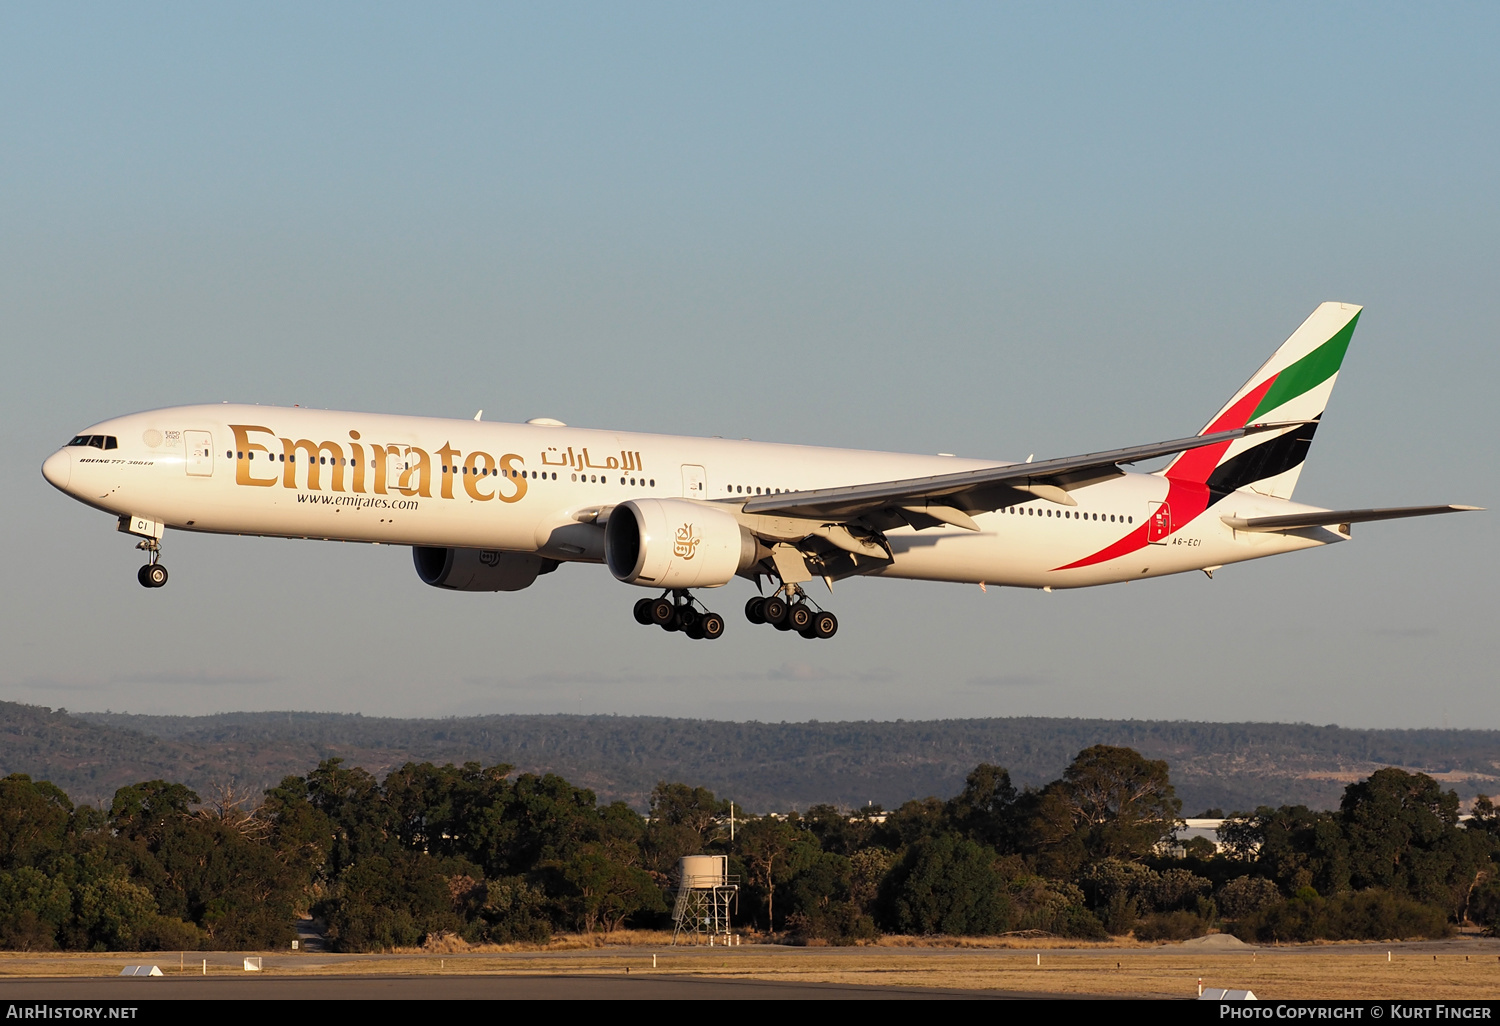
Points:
(396, 480)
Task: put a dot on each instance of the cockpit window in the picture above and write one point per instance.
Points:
(96, 441)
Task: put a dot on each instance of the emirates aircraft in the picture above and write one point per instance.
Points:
(493, 506)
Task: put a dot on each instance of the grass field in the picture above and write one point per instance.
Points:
(1462, 969)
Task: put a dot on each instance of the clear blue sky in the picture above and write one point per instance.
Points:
(975, 228)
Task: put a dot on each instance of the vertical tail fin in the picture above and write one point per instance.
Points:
(1293, 385)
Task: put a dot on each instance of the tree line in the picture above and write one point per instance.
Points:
(763, 765)
(486, 855)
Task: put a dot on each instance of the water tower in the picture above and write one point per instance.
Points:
(705, 894)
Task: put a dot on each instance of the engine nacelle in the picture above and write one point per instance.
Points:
(479, 569)
(675, 543)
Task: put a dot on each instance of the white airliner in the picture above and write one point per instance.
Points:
(491, 506)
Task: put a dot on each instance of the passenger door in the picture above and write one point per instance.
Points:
(694, 482)
(1158, 522)
(200, 453)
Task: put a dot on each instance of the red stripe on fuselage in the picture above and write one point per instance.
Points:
(1187, 480)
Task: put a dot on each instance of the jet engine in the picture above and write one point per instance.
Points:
(479, 569)
(675, 543)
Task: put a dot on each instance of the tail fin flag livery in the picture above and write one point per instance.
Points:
(1291, 387)
(749, 510)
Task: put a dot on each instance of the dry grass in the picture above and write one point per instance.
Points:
(1009, 942)
(1324, 972)
(452, 944)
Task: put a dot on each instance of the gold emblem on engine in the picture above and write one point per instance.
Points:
(687, 542)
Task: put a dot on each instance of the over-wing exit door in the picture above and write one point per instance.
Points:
(694, 482)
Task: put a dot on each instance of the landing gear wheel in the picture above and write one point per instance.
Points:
(799, 617)
(152, 575)
(774, 610)
(642, 612)
(755, 610)
(664, 613)
(695, 631)
(825, 625)
(687, 619)
(711, 626)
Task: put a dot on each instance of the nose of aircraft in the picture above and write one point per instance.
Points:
(58, 468)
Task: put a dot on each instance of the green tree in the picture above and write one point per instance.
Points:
(298, 832)
(146, 809)
(1110, 803)
(913, 821)
(34, 819)
(984, 810)
(1404, 837)
(837, 831)
(1246, 895)
(604, 893)
(33, 909)
(946, 885)
(1292, 845)
(355, 807)
(821, 903)
(380, 903)
(695, 808)
(772, 850)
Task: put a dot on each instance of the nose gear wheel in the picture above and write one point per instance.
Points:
(153, 574)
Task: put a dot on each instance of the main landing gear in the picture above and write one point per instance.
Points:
(679, 611)
(794, 612)
(153, 574)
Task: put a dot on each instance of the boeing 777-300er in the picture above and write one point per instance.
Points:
(491, 506)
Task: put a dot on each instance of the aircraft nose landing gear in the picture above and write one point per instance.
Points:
(679, 613)
(798, 614)
(153, 574)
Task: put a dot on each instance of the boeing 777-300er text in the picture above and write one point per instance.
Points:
(492, 506)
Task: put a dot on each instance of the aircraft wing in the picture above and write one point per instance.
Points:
(1314, 518)
(949, 498)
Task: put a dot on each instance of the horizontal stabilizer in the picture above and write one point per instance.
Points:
(1323, 518)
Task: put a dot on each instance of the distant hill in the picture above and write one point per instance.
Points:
(761, 765)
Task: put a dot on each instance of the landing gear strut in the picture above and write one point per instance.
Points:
(679, 611)
(789, 609)
(153, 574)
